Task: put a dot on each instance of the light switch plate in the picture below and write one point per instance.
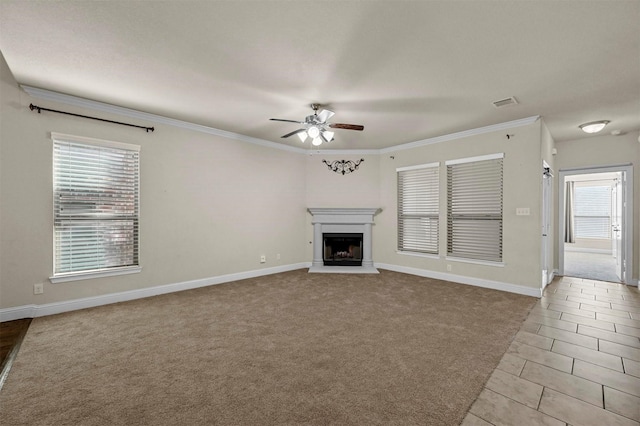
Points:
(522, 211)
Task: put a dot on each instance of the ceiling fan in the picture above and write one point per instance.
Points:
(316, 126)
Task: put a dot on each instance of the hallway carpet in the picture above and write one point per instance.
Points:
(591, 266)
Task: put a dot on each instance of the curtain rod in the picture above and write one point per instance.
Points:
(40, 109)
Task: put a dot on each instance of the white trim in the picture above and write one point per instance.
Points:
(628, 245)
(341, 211)
(77, 276)
(33, 311)
(474, 159)
(463, 134)
(418, 167)
(313, 152)
(113, 109)
(153, 118)
(416, 254)
(17, 312)
(595, 169)
(588, 250)
(61, 137)
(460, 279)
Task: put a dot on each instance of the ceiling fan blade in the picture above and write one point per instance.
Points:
(346, 126)
(286, 121)
(293, 133)
(324, 115)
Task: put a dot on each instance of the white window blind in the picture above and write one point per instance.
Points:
(474, 208)
(593, 211)
(418, 208)
(96, 205)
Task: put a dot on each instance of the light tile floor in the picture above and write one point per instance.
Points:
(575, 361)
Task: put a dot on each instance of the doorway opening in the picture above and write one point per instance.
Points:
(595, 223)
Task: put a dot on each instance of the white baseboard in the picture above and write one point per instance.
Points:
(587, 250)
(33, 311)
(478, 282)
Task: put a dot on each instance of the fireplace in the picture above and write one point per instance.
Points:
(342, 249)
(349, 234)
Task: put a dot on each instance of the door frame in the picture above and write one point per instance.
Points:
(627, 216)
(547, 224)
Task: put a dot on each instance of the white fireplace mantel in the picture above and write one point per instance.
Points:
(343, 220)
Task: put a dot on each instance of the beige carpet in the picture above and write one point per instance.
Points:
(291, 348)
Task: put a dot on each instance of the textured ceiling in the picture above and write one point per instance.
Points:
(406, 70)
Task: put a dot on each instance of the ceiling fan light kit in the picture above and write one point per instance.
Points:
(594, 126)
(313, 132)
(316, 126)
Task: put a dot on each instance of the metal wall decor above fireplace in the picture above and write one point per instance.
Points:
(343, 166)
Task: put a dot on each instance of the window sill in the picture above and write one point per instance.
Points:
(416, 254)
(477, 262)
(98, 274)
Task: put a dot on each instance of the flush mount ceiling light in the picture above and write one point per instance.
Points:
(316, 126)
(594, 126)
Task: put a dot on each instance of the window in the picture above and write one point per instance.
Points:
(474, 208)
(96, 207)
(593, 211)
(418, 208)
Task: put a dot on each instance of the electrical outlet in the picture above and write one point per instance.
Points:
(38, 288)
(263, 258)
(448, 267)
(278, 256)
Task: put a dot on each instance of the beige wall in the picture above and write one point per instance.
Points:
(210, 206)
(606, 150)
(326, 188)
(522, 188)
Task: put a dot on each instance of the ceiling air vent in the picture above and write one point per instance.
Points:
(505, 102)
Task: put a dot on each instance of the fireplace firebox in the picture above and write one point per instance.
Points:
(342, 249)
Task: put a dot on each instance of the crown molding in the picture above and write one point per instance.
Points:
(463, 134)
(153, 118)
(343, 152)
